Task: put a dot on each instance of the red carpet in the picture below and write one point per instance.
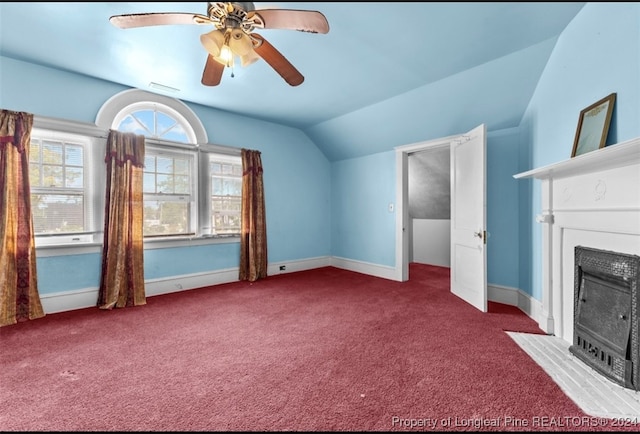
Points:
(319, 350)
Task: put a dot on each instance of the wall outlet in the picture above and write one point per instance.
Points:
(283, 267)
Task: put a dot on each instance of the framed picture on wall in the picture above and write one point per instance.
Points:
(593, 126)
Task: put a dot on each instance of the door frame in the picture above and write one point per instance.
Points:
(402, 196)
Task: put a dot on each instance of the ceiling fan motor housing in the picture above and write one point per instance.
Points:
(231, 15)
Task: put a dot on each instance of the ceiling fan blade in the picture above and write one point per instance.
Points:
(128, 21)
(212, 73)
(291, 19)
(277, 61)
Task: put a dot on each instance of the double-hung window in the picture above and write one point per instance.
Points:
(225, 193)
(62, 187)
(169, 192)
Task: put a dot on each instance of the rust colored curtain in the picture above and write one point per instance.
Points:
(253, 228)
(19, 298)
(122, 278)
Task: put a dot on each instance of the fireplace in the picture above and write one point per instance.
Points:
(590, 200)
(606, 325)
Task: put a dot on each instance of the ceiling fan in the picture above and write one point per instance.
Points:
(234, 34)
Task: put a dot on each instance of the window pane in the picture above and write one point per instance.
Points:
(57, 213)
(73, 155)
(149, 183)
(177, 135)
(145, 119)
(227, 169)
(225, 214)
(150, 163)
(216, 186)
(34, 175)
(226, 186)
(165, 218)
(74, 177)
(131, 125)
(233, 187)
(164, 124)
(165, 165)
(181, 166)
(165, 183)
(34, 152)
(52, 152)
(181, 184)
(52, 176)
(226, 191)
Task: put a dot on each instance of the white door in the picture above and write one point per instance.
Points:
(468, 218)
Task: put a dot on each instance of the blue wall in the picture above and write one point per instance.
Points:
(597, 54)
(502, 208)
(363, 229)
(296, 179)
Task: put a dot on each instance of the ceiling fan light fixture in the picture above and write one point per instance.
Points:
(249, 58)
(213, 42)
(226, 54)
(240, 43)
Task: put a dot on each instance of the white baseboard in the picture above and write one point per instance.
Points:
(298, 265)
(88, 297)
(376, 270)
(69, 300)
(515, 297)
(185, 282)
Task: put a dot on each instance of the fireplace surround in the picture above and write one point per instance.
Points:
(592, 200)
(606, 328)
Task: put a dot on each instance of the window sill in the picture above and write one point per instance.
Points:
(68, 249)
(165, 243)
(154, 243)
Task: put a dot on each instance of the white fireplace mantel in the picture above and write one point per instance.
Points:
(591, 200)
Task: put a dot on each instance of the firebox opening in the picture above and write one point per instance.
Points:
(605, 314)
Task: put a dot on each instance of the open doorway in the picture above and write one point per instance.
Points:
(404, 231)
(468, 213)
(429, 206)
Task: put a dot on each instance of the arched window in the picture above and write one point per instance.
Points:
(155, 121)
(152, 115)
